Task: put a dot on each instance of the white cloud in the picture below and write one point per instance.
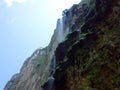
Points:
(9, 3)
(21, 1)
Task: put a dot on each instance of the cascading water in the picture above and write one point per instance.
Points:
(63, 28)
(50, 83)
(54, 65)
(60, 30)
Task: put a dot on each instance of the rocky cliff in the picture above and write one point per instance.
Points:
(84, 52)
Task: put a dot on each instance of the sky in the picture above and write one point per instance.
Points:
(25, 25)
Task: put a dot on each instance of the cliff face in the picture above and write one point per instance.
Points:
(84, 52)
(89, 58)
(31, 73)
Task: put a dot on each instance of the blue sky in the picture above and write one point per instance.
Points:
(25, 25)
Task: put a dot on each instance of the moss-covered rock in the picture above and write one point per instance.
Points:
(92, 62)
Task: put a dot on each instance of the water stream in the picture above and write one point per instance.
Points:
(62, 31)
(50, 83)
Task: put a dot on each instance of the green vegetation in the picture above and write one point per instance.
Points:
(93, 65)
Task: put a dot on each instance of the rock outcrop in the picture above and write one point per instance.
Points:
(84, 52)
(89, 58)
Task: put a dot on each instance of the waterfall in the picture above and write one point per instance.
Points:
(60, 30)
(54, 64)
(50, 84)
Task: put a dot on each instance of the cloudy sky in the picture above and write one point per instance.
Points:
(25, 25)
